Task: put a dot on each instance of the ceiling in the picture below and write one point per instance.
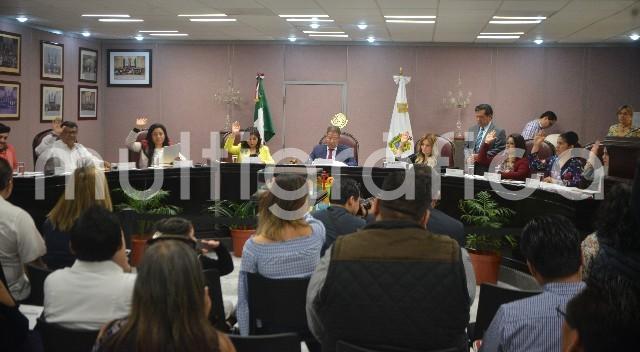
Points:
(458, 21)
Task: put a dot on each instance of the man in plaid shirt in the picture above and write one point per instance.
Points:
(546, 120)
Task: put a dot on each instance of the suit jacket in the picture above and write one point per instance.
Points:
(496, 147)
(443, 224)
(343, 153)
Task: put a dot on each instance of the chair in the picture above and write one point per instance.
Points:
(287, 342)
(445, 149)
(56, 338)
(490, 299)
(37, 275)
(36, 142)
(135, 156)
(349, 140)
(217, 316)
(546, 149)
(343, 346)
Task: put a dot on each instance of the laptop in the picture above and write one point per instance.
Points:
(170, 153)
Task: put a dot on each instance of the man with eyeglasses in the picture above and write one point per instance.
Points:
(332, 150)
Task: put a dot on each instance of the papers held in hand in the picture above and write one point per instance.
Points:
(170, 153)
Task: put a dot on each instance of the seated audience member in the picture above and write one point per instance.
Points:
(342, 217)
(426, 154)
(176, 227)
(332, 150)
(252, 147)
(287, 243)
(90, 188)
(561, 168)
(532, 128)
(98, 287)
(20, 240)
(65, 152)
(551, 246)
(151, 148)
(441, 223)
(169, 309)
(513, 167)
(364, 290)
(14, 327)
(401, 145)
(485, 124)
(7, 151)
(624, 127)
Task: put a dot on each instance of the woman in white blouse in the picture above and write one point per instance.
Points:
(151, 148)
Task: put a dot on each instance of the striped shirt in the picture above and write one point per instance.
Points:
(279, 260)
(531, 324)
(531, 129)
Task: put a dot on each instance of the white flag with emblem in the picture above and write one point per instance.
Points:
(400, 137)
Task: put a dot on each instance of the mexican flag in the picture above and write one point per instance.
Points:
(261, 116)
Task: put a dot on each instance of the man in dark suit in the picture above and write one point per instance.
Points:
(332, 150)
(484, 117)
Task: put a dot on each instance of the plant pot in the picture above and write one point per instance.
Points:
(486, 266)
(239, 237)
(138, 245)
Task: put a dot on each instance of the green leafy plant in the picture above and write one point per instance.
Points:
(484, 212)
(242, 210)
(141, 203)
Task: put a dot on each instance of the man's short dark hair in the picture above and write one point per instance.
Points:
(488, 110)
(6, 173)
(333, 129)
(4, 128)
(551, 244)
(69, 124)
(419, 180)
(174, 226)
(348, 188)
(550, 115)
(96, 235)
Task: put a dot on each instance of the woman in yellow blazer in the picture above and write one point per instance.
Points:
(252, 147)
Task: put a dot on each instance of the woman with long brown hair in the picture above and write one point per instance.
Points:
(426, 154)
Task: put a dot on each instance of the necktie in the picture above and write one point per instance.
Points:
(478, 140)
(330, 154)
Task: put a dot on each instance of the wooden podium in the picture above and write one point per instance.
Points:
(623, 155)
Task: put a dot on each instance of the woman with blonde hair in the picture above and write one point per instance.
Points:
(624, 127)
(287, 242)
(426, 153)
(90, 187)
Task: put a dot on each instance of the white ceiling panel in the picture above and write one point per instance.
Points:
(546, 6)
(350, 4)
(470, 5)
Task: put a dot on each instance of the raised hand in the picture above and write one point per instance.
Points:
(595, 147)
(56, 126)
(141, 121)
(490, 137)
(539, 138)
(235, 127)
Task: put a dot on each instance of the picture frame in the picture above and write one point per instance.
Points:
(9, 100)
(51, 61)
(87, 103)
(129, 68)
(51, 102)
(10, 53)
(87, 65)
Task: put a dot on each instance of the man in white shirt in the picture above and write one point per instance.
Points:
(98, 287)
(63, 151)
(20, 241)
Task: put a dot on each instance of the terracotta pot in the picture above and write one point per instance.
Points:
(138, 245)
(239, 237)
(486, 266)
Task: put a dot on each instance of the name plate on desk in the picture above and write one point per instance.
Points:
(123, 166)
(492, 176)
(183, 163)
(395, 165)
(532, 183)
(454, 172)
(252, 160)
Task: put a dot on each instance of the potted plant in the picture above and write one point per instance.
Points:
(242, 214)
(153, 205)
(484, 249)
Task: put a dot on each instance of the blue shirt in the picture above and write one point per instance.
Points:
(531, 324)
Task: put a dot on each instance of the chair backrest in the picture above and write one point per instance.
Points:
(36, 142)
(37, 275)
(546, 149)
(286, 342)
(135, 156)
(445, 149)
(277, 305)
(217, 315)
(491, 298)
(343, 346)
(56, 338)
(349, 140)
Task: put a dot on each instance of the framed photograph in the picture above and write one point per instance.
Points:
(9, 100)
(10, 45)
(87, 103)
(129, 68)
(51, 61)
(51, 102)
(88, 62)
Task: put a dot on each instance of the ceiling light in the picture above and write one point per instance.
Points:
(99, 15)
(205, 15)
(634, 37)
(157, 31)
(307, 20)
(408, 21)
(371, 39)
(139, 37)
(538, 41)
(22, 19)
(120, 20)
(515, 22)
(314, 25)
(212, 19)
(407, 17)
(519, 18)
(330, 35)
(498, 37)
(292, 39)
(169, 34)
(503, 33)
(302, 16)
(86, 34)
(362, 26)
(322, 32)
(55, 31)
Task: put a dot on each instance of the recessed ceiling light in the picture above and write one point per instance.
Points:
(330, 35)
(408, 21)
(498, 37)
(409, 17)
(22, 19)
(212, 19)
(105, 15)
(519, 18)
(139, 37)
(307, 20)
(292, 39)
(515, 22)
(204, 15)
(538, 41)
(503, 33)
(86, 34)
(157, 31)
(362, 26)
(634, 37)
(169, 34)
(302, 16)
(120, 20)
(314, 25)
(322, 32)
(371, 39)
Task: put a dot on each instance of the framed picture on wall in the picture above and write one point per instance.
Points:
(51, 102)
(51, 61)
(129, 68)
(10, 45)
(87, 103)
(88, 62)
(9, 100)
